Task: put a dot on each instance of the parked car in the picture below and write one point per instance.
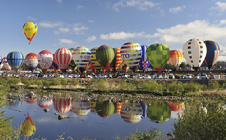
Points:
(146, 77)
(177, 76)
(171, 76)
(125, 76)
(89, 76)
(164, 76)
(212, 76)
(203, 76)
(188, 76)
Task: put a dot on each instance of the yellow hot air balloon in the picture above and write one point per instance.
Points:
(30, 29)
(28, 127)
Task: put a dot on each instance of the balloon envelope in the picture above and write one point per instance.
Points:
(44, 103)
(15, 59)
(5, 64)
(62, 58)
(28, 127)
(144, 63)
(118, 59)
(131, 54)
(212, 54)
(31, 61)
(158, 55)
(95, 63)
(30, 29)
(81, 108)
(62, 105)
(175, 59)
(45, 59)
(194, 51)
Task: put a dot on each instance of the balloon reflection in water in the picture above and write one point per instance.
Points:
(159, 111)
(30, 100)
(62, 105)
(93, 104)
(131, 112)
(81, 107)
(105, 109)
(28, 127)
(176, 106)
(118, 106)
(45, 102)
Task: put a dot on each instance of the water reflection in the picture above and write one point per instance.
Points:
(62, 104)
(158, 111)
(176, 105)
(30, 100)
(81, 106)
(28, 127)
(105, 108)
(44, 102)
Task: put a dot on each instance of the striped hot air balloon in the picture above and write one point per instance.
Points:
(144, 63)
(44, 103)
(6, 64)
(118, 59)
(212, 54)
(131, 112)
(63, 58)
(175, 59)
(131, 54)
(81, 56)
(81, 107)
(15, 59)
(45, 59)
(118, 107)
(62, 105)
(28, 127)
(31, 61)
(96, 65)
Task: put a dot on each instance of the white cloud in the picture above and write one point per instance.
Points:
(31, 18)
(201, 29)
(78, 7)
(50, 24)
(79, 29)
(121, 35)
(91, 38)
(64, 30)
(176, 9)
(66, 41)
(59, 1)
(221, 5)
(139, 4)
(223, 22)
(91, 21)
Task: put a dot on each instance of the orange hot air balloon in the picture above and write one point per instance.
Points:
(176, 106)
(118, 107)
(28, 127)
(118, 59)
(175, 59)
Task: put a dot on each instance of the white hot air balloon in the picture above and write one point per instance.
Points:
(194, 51)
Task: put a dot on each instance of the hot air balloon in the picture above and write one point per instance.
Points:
(31, 61)
(175, 105)
(96, 65)
(175, 59)
(0, 60)
(81, 56)
(93, 104)
(1, 66)
(131, 54)
(15, 59)
(105, 109)
(30, 29)
(212, 54)
(144, 63)
(81, 107)
(62, 58)
(158, 55)
(118, 59)
(62, 105)
(30, 100)
(194, 51)
(118, 106)
(28, 127)
(45, 59)
(105, 56)
(131, 112)
(158, 111)
(6, 64)
(44, 102)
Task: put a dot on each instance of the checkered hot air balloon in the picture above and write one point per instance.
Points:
(31, 61)
(131, 54)
(144, 63)
(81, 56)
(63, 58)
(45, 59)
(194, 51)
(175, 59)
(158, 55)
(212, 54)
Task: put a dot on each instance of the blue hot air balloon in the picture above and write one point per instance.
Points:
(144, 63)
(15, 59)
(212, 54)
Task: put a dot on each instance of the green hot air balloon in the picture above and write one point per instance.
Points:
(105, 109)
(158, 55)
(159, 111)
(105, 56)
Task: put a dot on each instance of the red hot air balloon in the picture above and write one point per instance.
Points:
(45, 103)
(62, 105)
(63, 58)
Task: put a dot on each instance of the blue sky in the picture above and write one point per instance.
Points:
(92, 23)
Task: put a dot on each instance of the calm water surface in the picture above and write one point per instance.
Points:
(91, 118)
